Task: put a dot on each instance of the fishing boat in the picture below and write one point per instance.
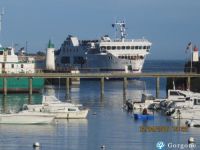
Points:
(62, 110)
(26, 117)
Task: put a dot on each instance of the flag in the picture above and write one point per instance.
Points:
(189, 47)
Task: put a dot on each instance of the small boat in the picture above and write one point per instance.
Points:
(193, 123)
(62, 110)
(143, 117)
(26, 117)
(147, 101)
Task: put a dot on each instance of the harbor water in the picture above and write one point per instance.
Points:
(108, 126)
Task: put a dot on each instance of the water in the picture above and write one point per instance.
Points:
(107, 123)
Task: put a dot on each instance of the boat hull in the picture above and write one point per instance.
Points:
(82, 114)
(143, 117)
(26, 118)
(22, 84)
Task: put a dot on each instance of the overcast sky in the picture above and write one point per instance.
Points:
(169, 24)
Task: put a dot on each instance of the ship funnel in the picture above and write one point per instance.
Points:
(50, 57)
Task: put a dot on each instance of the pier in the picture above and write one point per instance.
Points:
(101, 77)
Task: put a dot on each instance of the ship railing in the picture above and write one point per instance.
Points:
(131, 40)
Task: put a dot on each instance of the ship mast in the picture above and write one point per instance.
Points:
(120, 27)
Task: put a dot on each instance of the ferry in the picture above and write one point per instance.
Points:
(105, 54)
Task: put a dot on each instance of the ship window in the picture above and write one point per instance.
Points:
(22, 66)
(173, 93)
(118, 47)
(65, 60)
(3, 66)
(123, 47)
(136, 47)
(108, 47)
(127, 47)
(125, 57)
(122, 57)
(148, 47)
(141, 57)
(113, 47)
(78, 60)
(1, 52)
(132, 47)
(12, 65)
(144, 47)
(9, 52)
(119, 56)
(140, 47)
(103, 48)
(71, 109)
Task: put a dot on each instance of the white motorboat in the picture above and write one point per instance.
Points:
(26, 117)
(62, 110)
(190, 112)
(179, 99)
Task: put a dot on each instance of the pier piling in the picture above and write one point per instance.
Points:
(30, 86)
(188, 83)
(102, 87)
(124, 89)
(30, 90)
(67, 88)
(157, 87)
(4, 86)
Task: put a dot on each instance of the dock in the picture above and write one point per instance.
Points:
(102, 77)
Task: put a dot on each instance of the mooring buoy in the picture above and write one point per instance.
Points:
(36, 144)
(191, 140)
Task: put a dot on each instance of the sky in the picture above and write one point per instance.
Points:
(170, 25)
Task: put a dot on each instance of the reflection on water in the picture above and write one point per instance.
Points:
(107, 123)
(14, 102)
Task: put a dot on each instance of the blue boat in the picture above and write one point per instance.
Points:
(143, 117)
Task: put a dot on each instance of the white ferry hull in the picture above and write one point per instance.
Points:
(103, 62)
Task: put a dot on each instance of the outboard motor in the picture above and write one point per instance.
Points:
(170, 111)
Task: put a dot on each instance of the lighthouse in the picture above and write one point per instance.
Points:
(195, 54)
(50, 58)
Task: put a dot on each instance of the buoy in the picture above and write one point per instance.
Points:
(36, 144)
(191, 140)
(103, 147)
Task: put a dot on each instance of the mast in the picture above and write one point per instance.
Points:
(120, 27)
